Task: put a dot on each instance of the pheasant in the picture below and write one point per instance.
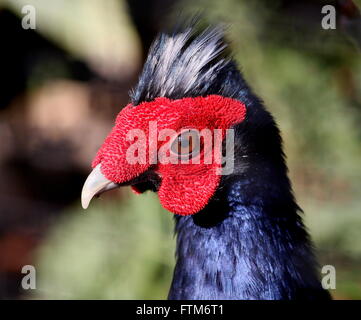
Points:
(195, 133)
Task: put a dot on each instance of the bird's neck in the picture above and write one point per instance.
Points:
(244, 248)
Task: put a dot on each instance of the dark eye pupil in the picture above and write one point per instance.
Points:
(185, 143)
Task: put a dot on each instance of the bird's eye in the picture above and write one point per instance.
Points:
(186, 144)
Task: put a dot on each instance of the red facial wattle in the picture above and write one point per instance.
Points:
(185, 188)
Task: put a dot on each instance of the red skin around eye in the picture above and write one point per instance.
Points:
(185, 188)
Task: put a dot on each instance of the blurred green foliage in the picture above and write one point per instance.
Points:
(111, 251)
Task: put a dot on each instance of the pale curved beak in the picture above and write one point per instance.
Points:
(94, 185)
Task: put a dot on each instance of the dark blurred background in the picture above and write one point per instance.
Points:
(61, 86)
